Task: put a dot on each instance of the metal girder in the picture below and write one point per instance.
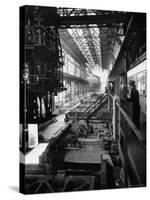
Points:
(84, 12)
(95, 51)
(108, 25)
(109, 38)
(75, 12)
(88, 42)
(69, 44)
(81, 41)
(75, 16)
(70, 26)
(84, 45)
(93, 19)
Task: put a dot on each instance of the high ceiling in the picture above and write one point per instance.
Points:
(93, 37)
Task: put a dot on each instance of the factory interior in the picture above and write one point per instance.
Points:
(79, 128)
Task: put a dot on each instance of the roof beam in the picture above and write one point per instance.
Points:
(93, 19)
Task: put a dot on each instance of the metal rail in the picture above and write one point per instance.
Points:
(131, 145)
(132, 126)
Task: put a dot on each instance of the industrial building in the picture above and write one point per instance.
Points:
(80, 128)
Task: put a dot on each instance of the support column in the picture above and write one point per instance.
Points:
(115, 118)
(40, 98)
(46, 106)
(52, 101)
(108, 101)
(70, 91)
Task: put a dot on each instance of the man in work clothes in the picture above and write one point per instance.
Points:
(134, 98)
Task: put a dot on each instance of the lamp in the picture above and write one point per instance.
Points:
(26, 72)
(25, 129)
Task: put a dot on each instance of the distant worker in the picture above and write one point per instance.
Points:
(133, 97)
(106, 89)
(124, 92)
(111, 87)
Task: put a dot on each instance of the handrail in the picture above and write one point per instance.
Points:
(110, 95)
(132, 150)
(131, 124)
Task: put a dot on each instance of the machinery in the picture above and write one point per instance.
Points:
(84, 156)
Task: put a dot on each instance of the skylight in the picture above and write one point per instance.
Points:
(88, 41)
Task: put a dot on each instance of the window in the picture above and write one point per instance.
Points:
(141, 79)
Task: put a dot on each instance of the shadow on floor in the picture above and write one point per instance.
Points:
(14, 188)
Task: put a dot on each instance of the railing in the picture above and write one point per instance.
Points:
(131, 145)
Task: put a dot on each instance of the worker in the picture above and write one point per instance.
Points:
(124, 91)
(133, 97)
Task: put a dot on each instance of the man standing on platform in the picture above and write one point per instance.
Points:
(133, 97)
